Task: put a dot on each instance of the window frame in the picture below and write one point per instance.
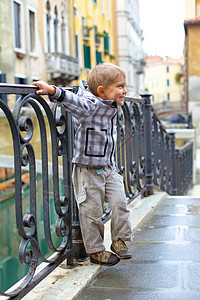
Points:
(56, 29)
(77, 45)
(32, 52)
(18, 46)
(48, 29)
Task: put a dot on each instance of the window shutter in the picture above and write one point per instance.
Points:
(87, 60)
(106, 41)
(98, 57)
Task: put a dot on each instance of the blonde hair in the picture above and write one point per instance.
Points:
(103, 74)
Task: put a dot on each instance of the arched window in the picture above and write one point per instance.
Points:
(48, 17)
(56, 29)
(63, 32)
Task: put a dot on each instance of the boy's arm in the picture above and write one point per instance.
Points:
(78, 106)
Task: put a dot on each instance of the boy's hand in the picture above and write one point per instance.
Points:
(44, 88)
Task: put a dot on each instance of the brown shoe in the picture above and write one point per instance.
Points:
(121, 249)
(104, 258)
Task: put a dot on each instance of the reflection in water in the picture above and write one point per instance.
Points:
(11, 270)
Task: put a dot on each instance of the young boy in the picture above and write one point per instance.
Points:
(94, 174)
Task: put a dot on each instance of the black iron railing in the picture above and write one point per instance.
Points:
(145, 155)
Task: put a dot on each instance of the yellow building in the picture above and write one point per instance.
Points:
(93, 28)
(164, 79)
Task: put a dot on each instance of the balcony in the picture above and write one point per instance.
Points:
(61, 66)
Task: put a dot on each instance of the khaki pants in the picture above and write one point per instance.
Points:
(91, 187)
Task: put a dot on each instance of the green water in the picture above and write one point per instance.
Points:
(11, 270)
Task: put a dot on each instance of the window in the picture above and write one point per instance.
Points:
(85, 31)
(63, 33)
(167, 69)
(87, 61)
(98, 57)
(106, 42)
(108, 9)
(167, 82)
(75, 11)
(168, 96)
(77, 47)
(96, 37)
(103, 6)
(32, 37)
(95, 1)
(48, 18)
(56, 29)
(17, 25)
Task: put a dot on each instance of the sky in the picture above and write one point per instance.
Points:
(162, 24)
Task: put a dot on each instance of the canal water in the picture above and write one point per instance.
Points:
(11, 270)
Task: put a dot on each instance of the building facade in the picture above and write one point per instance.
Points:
(59, 41)
(93, 29)
(34, 43)
(192, 61)
(164, 79)
(129, 47)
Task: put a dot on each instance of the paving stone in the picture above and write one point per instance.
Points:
(131, 294)
(165, 251)
(139, 275)
(181, 201)
(191, 234)
(153, 233)
(172, 210)
(192, 277)
(178, 210)
(174, 220)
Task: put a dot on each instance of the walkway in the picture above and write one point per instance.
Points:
(166, 257)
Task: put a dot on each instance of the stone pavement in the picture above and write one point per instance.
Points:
(166, 257)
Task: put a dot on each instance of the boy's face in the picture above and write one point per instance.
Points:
(116, 91)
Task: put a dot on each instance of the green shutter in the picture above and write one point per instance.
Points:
(87, 60)
(98, 57)
(106, 41)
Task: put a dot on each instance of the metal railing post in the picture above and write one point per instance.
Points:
(174, 167)
(148, 145)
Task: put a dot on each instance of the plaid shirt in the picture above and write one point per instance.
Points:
(96, 132)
